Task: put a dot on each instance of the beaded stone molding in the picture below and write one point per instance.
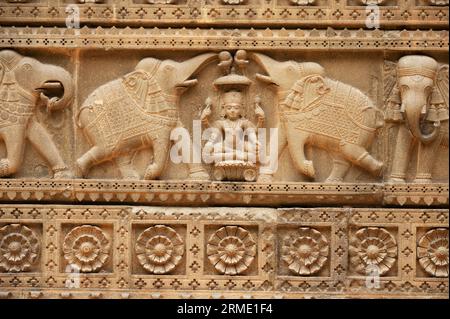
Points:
(224, 39)
(207, 193)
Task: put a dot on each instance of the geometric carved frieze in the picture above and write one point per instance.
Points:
(224, 39)
(180, 252)
(432, 13)
(203, 193)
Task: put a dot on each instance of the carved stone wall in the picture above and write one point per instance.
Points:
(93, 204)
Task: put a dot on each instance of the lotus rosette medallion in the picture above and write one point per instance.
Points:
(19, 248)
(372, 247)
(159, 249)
(231, 250)
(305, 251)
(86, 248)
(432, 252)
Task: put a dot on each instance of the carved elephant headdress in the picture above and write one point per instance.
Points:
(8, 83)
(416, 90)
(24, 79)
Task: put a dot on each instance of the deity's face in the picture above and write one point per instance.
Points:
(233, 110)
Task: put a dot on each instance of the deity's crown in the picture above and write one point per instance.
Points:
(232, 97)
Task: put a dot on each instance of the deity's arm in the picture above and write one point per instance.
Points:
(206, 113)
(259, 112)
(250, 129)
(216, 129)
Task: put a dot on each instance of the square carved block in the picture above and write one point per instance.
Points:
(432, 252)
(158, 249)
(21, 248)
(86, 248)
(231, 250)
(373, 251)
(304, 251)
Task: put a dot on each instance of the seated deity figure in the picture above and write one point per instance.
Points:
(233, 144)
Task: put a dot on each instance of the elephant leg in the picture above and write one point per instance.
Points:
(160, 155)
(126, 168)
(270, 163)
(14, 142)
(296, 146)
(43, 143)
(196, 170)
(402, 153)
(92, 157)
(425, 160)
(339, 169)
(361, 157)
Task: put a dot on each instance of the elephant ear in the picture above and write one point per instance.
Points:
(442, 83)
(389, 81)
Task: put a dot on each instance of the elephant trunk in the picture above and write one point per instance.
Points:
(285, 74)
(184, 70)
(57, 80)
(268, 64)
(413, 104)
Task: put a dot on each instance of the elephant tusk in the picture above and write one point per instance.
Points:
(51, 102)
(187, 83)
(50, 85)
(265, 79)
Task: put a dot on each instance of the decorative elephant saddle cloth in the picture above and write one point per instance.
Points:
(129, 107)
(327, 107)
(16, 105)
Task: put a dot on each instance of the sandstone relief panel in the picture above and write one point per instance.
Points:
(417, 102)
(126, 128)
(316, 110)
(224, 149)
(24, 83)
(137, 111)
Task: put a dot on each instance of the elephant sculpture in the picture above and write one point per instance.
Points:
(25, 84)
(316, 110)
(416, 88)
(137, 111)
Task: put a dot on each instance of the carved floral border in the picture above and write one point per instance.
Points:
(121, 281)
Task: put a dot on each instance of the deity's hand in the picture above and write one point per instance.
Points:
(207, 110)
(259, 112)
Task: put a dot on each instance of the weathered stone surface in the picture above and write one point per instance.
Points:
(218, 149)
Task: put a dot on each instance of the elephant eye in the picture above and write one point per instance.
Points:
(403, 88)
(27, 67)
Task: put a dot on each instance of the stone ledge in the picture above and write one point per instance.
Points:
(190, 294)
(211, 193)
(223, 39)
